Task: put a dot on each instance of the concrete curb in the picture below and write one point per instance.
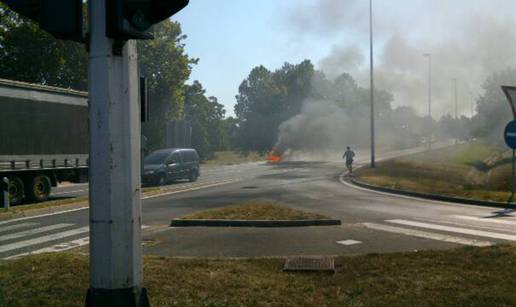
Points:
(449, 199)
(254, 223)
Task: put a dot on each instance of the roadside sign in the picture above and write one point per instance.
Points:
(510, 93)
(510, 134)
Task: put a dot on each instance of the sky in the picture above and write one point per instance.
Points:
(468, 40)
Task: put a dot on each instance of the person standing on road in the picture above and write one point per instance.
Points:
(348, 156)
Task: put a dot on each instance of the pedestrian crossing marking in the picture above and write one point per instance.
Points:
(34, 231)
(467, 231)
(40, 240)
(486, 219)
(428, 235)
(17, 226)
(61, 247)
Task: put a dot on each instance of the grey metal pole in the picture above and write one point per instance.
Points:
(429, 56)
(513, 173)
(6, 193)
(456, 107)
(373, 164)
(114, 186)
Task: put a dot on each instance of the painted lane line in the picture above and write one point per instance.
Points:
(485, 219)
(143, 198)
(48, 238)
(428, 235)
(42, 215)
(467, 231)
(34, 231)
(54, 248)
(69, 192)
(349, 242)
(17, 226)
(190, 189)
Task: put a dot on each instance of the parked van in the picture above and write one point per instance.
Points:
(167, 165)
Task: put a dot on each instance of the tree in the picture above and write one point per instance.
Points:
(206, 114)
(266, 99)
(167, 66)
(493, 111)
(32, 55)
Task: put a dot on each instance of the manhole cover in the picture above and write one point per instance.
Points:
(311, 264)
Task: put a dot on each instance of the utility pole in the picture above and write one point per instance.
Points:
(114, 172)
(373, 164)
(456, 108)
(429, 56)
(472, 98)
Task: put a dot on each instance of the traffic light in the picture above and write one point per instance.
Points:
(132, 19)
(61, 18)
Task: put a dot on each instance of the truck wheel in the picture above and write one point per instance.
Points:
(39, 188)
(16, 191)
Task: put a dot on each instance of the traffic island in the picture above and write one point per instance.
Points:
(472, 173)
(254, 214)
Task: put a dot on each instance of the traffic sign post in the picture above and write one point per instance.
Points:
(510, 133)
(510, 140)
(4, 192)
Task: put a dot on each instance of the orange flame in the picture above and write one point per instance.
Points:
(274, 157)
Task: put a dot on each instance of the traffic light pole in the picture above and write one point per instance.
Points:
(114, 170)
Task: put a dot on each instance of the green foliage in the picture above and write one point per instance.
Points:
(206, 114)
(266, 99)
(32, 55)
(166, 65)
(493, 108)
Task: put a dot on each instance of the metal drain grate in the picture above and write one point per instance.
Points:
(310, 264)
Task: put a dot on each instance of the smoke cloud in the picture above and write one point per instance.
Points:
(468, 40)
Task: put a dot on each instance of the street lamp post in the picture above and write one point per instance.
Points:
(372, 82)
(456, 106)
(429, 56)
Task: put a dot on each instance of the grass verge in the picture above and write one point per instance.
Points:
(20, 210)
(458, 277)
(232, 157)
(473, 170)
(254, 210)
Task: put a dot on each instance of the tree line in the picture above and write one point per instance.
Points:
(31, 55)
(272, 105)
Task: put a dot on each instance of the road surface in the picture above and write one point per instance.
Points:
(371, 221)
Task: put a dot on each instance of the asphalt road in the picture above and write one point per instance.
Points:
(372, 222)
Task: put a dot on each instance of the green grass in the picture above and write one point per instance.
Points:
(232, 157)
(458, 277)
(254, 210)
(474, 170)
(21, 209)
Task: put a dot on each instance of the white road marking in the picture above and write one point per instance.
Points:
(42, 215)
(48, 238)
(17, 226)
(55, 248)
(428, 235)
(146, 197)
(34, 231)
(69, 192)
(467, 231)
(348, 242)
(485, 220)
(192, 189)
(61, 247)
